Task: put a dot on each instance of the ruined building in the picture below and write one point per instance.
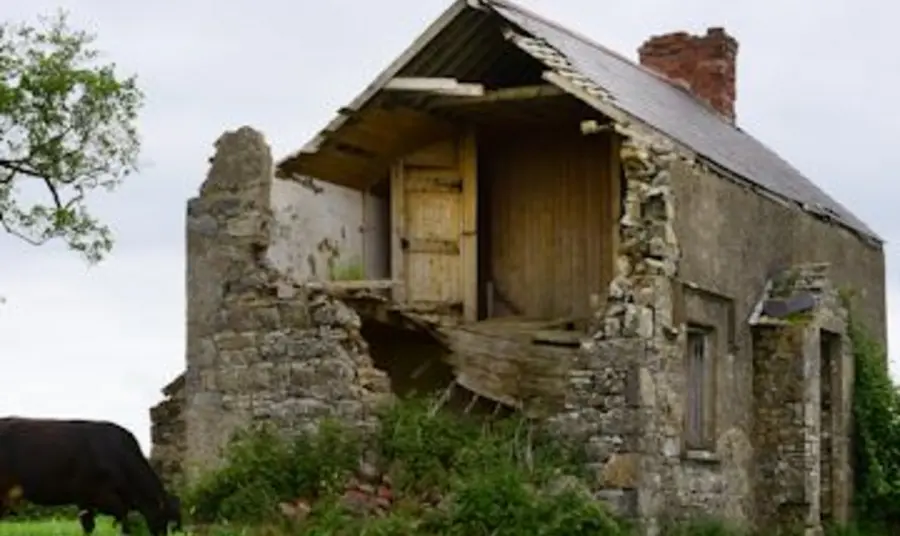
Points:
(518, 217)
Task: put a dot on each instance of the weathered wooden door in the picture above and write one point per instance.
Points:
(433, 214)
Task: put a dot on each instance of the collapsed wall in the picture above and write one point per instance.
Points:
(167, 433)
(260, 346)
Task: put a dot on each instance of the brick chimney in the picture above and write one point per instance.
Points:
(704, 64)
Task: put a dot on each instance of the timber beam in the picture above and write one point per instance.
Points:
(435, 86)
(512, 94)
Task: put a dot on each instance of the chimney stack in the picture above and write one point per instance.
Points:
(705, 64)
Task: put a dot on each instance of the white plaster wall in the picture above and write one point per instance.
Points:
(319, 232)
(377, 240)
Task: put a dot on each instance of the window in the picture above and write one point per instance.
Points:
(698, 403)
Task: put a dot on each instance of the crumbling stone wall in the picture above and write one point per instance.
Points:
(627, 389)
(780, 435)
(167, 433)
(619, 382)
(803, 472)
(260, 345)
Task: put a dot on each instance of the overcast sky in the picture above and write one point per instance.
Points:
(816, 81)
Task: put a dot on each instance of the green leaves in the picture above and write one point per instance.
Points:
(67, 127)
(876, 415)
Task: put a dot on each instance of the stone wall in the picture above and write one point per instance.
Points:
(167, 433)
(739, 238)
(260, 345)
(618, 384)
(779, 432)
(802, 392)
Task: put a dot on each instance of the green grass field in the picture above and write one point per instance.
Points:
(53, 528)
(57, 528)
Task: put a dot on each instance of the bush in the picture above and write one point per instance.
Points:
(449, 475)
(261, 469)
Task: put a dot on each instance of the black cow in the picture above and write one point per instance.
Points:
(86, 517)
(97, 466)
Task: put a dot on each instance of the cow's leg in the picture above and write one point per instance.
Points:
(87, 519)
(110, 504)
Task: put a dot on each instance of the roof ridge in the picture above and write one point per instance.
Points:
(508, 4)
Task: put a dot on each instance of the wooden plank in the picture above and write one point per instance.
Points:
(469, 171)
(432, 210)
(358, 284)
(433, 246)
(558, 338)
(438, 86)
(433, 180)
(398, 231)
(522, 93)
(381, 134)
(552, 216)
(433, 216)
(334, 167)
(435, 156)
(425, 306)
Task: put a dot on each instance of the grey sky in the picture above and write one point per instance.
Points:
(815, 82)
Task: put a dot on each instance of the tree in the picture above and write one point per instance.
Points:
(67, 128)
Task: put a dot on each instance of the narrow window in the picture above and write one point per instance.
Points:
(698, 389)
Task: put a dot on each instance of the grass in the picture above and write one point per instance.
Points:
(58, 527)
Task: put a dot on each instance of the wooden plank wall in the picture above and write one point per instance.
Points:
(552, 213)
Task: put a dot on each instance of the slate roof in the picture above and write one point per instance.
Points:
(672, 111)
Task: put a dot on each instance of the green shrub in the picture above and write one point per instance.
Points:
(504, 502)
(451, 475)
(420, 447)
(261, 469)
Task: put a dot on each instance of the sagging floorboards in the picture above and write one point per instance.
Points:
(494, 365)
(521, 363)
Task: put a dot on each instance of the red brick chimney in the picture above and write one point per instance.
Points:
(704, 64)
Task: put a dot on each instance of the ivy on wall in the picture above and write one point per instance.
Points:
(876, 414)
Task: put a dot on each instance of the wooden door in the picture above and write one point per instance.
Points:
(433, 207)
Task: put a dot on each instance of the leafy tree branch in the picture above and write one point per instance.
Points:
(67, 128)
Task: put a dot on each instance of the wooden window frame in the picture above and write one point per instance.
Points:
(700, 389)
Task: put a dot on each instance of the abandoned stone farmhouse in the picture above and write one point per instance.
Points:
(520, 219)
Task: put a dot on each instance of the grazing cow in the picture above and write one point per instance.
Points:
(173, 514)
(97, 466)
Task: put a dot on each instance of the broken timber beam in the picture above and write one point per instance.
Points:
(438, 86)
(512, 94)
